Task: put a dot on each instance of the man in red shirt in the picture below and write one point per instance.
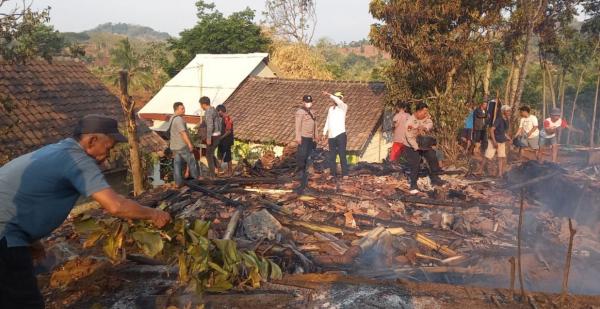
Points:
(226, 142)
(549, 134)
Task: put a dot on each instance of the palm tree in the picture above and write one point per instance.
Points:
(125, 57)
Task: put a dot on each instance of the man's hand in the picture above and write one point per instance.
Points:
(326, 93)
(299, 141)
(208, 141)
(160, 218)
(495, 144)
(191, 147)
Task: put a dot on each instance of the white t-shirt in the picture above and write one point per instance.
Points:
(528, 123)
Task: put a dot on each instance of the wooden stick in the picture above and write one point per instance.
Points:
(235, 218)
(519, 244)
(565, 283)
(435, 246)
(511, 260)
(532, 181)
(232, 225)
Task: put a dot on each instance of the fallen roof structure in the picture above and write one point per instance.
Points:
(343, 243)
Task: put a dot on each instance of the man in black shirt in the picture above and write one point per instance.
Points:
(480, 121)
(499, 136)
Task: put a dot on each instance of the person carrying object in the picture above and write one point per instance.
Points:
(549, 133)
(419, 144)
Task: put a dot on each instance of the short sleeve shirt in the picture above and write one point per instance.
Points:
(549, 124)
(400, 120)
(469, 121)
(39, 189)
(528, 123)
(177, 126)
(501, 126)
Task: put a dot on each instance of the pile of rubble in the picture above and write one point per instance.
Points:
(367, 226)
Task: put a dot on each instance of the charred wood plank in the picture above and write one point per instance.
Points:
(243, 181)
(532, 181)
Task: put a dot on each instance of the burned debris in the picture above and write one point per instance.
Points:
(367, 226)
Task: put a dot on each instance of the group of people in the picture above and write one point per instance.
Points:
(488, 133)
(334, 131)
(413, 141)
(215, 131)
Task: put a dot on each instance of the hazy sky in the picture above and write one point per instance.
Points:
(340, 20)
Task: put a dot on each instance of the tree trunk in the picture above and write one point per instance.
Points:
(551, 84)
(562, 99)
(132, 137)
(594, 113)
(579, 82)
(450, 81)
(523, 69)
(543, 89)
(508, 83)
(515, 79)
(488, 70)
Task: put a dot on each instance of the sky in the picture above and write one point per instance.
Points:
(338, 20)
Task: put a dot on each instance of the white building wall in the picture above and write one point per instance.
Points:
(377, 149)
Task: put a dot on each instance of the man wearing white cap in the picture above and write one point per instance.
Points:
(335, 131)
(549, 136)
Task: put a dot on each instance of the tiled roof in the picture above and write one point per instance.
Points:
(41, 102)
(263, 108)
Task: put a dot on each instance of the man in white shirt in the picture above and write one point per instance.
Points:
(335, 131)
(528, 131)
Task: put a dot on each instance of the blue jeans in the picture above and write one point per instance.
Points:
(179, 157)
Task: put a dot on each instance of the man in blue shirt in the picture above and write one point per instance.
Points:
(467, 132)
(39, 189)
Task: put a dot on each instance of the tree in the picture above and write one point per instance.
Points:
(217, 34)
(125, 57)
(297, 60)
(25, 34)
(430, 44)
(292, 20)
(135, 161)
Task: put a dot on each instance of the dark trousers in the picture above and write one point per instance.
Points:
(303, 159)
(413, 160)
(18, 285)
(210, 155)
(337, 147)
(480, 136)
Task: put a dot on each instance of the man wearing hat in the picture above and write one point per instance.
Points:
(305, 135)
(335, 132)
(549, 136)
(39, 189)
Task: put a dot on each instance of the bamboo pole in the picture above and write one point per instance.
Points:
(519, 232)
(594, 113)
(511, 260)
(565, 283)
(579, 82)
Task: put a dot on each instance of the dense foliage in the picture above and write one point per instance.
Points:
(217, 34)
